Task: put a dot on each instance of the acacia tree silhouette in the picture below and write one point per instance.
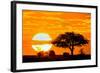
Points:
(69, 39)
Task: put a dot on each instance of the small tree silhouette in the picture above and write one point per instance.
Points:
(69, 39)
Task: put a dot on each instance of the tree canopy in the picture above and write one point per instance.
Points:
(69, 39)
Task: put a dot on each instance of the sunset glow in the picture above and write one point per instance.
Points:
(41, 27)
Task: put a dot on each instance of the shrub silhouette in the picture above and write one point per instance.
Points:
(40, 54)
(82, 52)
(51, 53)
(65, 54)
(69, 40)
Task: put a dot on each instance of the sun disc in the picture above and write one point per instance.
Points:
(42, 37)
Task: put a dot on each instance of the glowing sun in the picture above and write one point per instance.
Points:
(41, 37)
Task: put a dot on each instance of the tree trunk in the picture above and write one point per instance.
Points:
(72, 50)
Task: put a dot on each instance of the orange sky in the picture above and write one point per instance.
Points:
(54, 23)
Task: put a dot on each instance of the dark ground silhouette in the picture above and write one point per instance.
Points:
(63, 57)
